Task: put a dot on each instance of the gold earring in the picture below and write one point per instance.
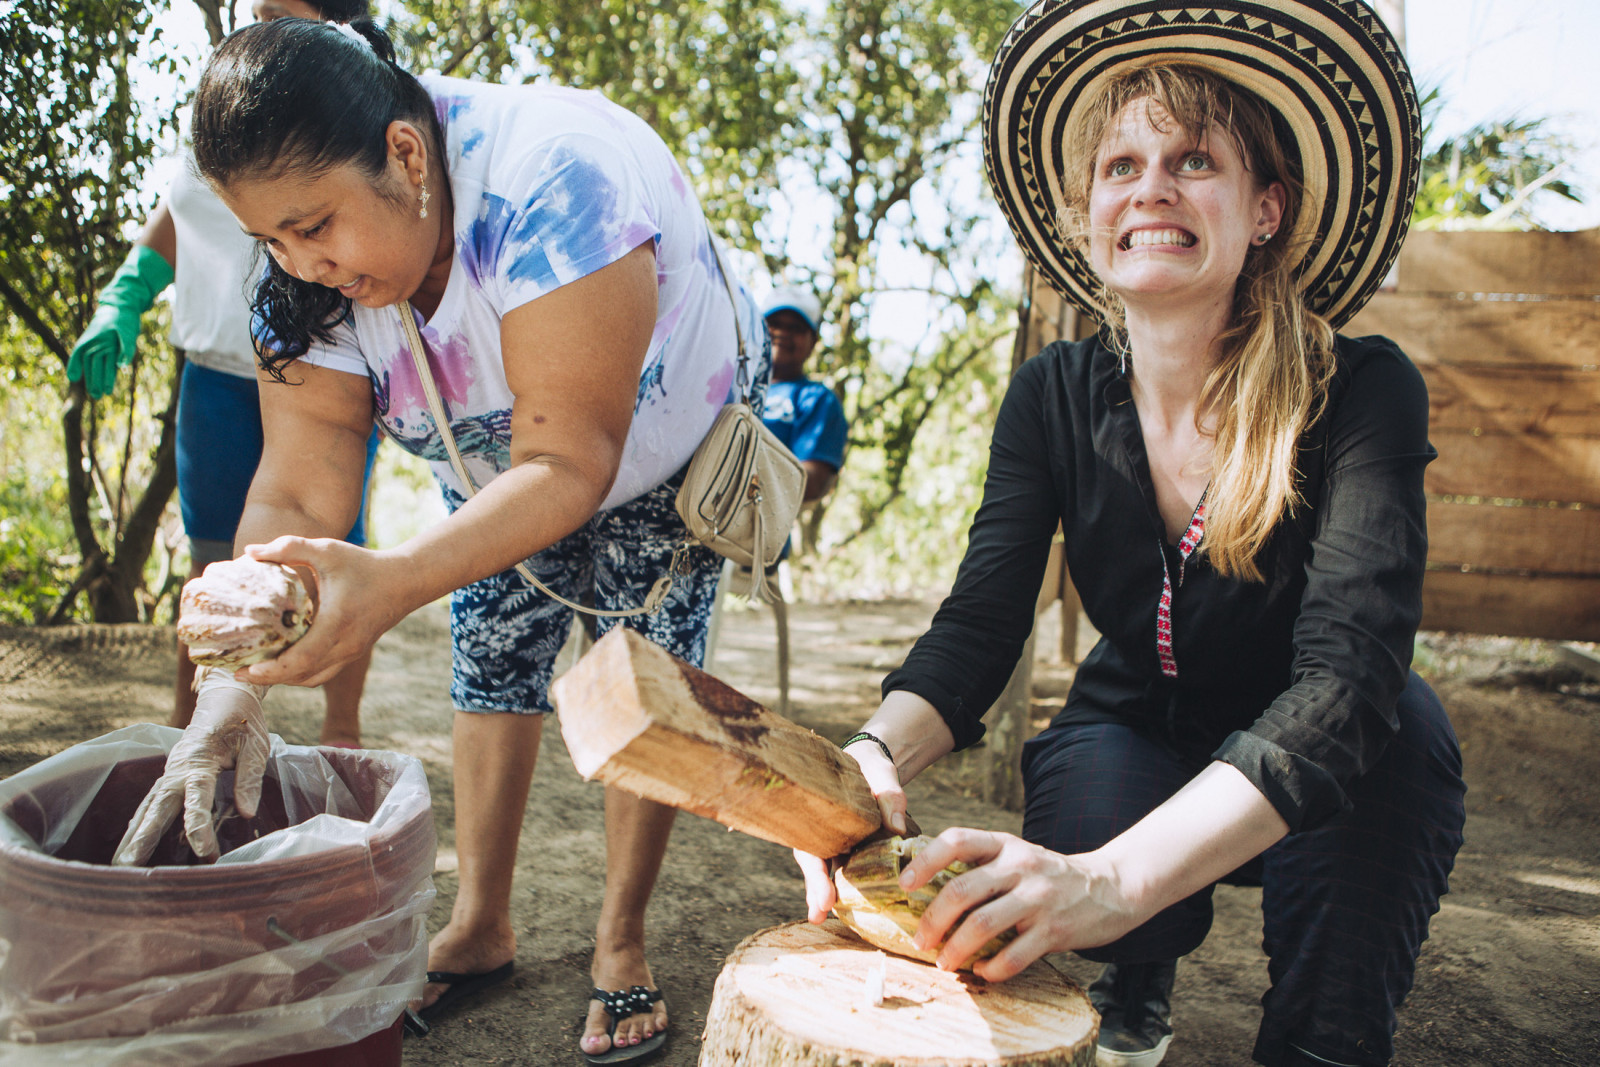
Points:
(423, 212)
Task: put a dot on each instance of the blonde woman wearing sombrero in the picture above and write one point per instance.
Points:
(1240, 491)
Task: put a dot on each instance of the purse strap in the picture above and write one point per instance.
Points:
(742, 373)
(419, 357)
(680, 555)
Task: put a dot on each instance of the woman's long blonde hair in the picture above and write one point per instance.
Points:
(1276, 356)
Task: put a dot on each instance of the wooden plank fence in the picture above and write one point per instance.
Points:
(1505, 328)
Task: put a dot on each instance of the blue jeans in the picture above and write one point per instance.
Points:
(219, 448)
(1345, 905)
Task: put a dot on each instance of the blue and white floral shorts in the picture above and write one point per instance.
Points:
(505, 634)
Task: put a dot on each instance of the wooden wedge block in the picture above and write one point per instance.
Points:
(635, 716)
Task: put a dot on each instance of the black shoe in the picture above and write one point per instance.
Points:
(1135, 1005)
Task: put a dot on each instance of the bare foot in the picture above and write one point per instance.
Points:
(621, 969)
(465, 952)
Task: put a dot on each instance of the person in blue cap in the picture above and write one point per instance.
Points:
(805, 414)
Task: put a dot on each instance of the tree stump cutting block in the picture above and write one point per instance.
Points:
(637, 717)
(802, 995)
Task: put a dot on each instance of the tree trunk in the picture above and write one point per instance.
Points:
(1043, 318)
(112, 581)
(801, 995)
(1009, 726)
(211, 12)
(138, 533)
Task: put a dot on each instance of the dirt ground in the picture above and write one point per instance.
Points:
(1510, 976)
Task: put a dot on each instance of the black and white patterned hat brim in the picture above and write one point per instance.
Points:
(1330, 67)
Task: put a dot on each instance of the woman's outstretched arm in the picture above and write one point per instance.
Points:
(916, 735)
(1211, 826)
(572, 359)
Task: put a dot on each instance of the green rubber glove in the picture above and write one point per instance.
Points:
(113, 331)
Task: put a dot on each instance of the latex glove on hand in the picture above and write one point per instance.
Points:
(228, 730)
(360, 595)
(113, 332)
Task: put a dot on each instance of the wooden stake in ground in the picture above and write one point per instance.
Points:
(637, 717)
(804, 995)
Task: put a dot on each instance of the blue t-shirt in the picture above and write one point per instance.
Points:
(806, 416)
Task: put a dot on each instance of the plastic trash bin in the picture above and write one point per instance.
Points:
(308, 934)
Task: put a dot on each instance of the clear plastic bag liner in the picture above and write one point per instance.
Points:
(308, 933)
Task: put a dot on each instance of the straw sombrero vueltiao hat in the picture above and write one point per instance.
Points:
(1329, 67)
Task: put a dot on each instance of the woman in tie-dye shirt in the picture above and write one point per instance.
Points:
(583, 339)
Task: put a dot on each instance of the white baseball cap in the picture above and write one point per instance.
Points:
(800, 301)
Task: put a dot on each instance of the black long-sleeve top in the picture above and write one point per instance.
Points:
(1292, 680)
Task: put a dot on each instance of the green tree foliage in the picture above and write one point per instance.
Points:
(860, 112)
(73, 147)
(36, 564)
(709, 76)
(917, 538)
(833, 143)
(1488, 176)
(892, 145)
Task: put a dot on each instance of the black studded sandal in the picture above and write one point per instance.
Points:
(619, 1005)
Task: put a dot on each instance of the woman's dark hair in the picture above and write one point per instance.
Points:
(292, 96)
(341, 10)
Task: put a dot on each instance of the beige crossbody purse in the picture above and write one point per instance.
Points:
(739, 497)
(743, 487)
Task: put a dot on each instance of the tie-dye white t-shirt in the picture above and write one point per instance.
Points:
(550, 185)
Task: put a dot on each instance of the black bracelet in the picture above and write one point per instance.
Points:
(864, 736)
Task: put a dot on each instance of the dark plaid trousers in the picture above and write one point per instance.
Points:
(1345, 906)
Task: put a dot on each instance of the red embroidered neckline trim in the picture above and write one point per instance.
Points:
(1186, 546)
